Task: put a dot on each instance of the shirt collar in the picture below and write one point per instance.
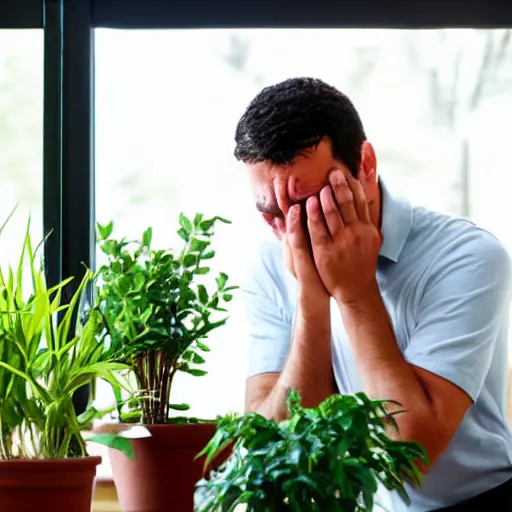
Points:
(396, 223)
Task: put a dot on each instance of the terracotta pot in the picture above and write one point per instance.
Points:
(163, 476)
(44, 485)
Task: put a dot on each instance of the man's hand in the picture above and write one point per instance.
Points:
(299, 258)
(345, 241)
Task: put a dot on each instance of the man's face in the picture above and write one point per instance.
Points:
(277, 187)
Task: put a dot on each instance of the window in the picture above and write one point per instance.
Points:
(433, 102)
(21, 138)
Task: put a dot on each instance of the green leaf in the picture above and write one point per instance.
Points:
(179, 407)
(208, 255)
(202, 346)
(185, 223)
(196, 372)
(117, 443)
(223, 220)
(131, 416)
(202, 294)
(106, 230)
(202, 270)
(184, 234)
(198, 217)
(197, 359)
(198, 245)
(2, 227)
(139, 281)
(110, 248)
(221, 280)
(89, 415)
(206, 225)
(190, 260)
(147, 237)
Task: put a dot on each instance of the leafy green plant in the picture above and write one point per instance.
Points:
(329, 458)
(157, 311)
(43, 362)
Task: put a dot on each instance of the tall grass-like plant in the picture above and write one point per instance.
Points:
(44, 361)
(158, 311)
(330, 458)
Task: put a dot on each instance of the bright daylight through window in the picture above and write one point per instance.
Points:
(21, 138)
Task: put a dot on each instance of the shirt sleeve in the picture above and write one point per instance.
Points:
(268, 318)
(462, 312)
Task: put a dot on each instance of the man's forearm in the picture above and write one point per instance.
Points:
(309, 365)
(384, 371)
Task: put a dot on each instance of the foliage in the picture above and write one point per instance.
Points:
(157, 312)
(43, 362)
(328, 458)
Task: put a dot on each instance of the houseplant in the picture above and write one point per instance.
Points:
(43, 455)
(330, 458)
(157, 311)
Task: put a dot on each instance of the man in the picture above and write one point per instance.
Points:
(365, 292)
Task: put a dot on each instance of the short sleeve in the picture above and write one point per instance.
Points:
(462, 312)
(269, 323)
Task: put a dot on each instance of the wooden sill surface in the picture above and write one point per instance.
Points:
(105, 496)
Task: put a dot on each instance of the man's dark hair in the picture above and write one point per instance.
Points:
(285, 119)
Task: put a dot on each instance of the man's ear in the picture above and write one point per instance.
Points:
(367, 172)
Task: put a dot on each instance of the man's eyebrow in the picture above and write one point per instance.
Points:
(268, 208)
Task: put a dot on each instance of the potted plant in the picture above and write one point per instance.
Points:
(157, 312)
(329, 458)
(43, 454)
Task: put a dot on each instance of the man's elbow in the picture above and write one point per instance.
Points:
(253, 405)
(257, 391)
(432, 439)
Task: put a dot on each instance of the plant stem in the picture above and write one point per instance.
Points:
(3, 447)
(155, 372)
(150, 368)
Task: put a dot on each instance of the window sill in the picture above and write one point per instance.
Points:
(105, 496)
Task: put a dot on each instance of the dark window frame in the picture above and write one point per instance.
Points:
(16, 14)
(300, 13)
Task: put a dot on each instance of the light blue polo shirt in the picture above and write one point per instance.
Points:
(445, 283)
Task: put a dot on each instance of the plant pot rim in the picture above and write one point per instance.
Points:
(161, 426)
(89, 460)
(197, 424)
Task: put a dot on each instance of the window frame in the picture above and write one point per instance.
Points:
(299, 14)
(16, 14)
(68, 147)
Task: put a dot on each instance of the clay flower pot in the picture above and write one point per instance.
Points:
(163, 476)
(59, 485)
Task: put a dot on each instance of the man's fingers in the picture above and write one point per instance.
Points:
(360, 201)
(297, 238)
(281, 191)
(295, 233)
(344, 196)
(316, 224)
(331, 213)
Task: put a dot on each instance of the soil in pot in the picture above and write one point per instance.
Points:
(163, 476)
(47, 485)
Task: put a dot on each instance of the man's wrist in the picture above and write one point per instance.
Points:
(312, 305)
(365, 299)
